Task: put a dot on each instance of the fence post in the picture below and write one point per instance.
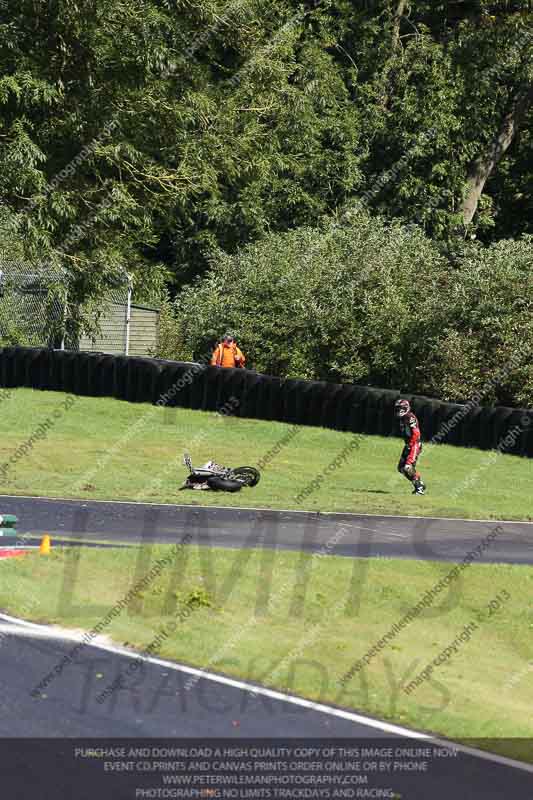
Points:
(128, 314)
(64, 324)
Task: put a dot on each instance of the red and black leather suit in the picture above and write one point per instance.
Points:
(410, 430)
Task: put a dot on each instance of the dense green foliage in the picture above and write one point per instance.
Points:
(149, 136)
(189, 124)
(370, 301)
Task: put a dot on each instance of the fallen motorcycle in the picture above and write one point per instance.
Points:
(218, 478)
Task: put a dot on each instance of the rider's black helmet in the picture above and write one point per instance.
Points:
(401, 408)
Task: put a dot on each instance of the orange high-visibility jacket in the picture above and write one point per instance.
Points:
(227, 355)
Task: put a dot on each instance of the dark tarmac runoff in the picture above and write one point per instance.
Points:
(339, 534)
(158, 703)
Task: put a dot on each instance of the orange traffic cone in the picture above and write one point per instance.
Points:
(44, 547)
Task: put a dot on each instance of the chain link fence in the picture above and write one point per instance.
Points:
(32, 312)
(35, 312)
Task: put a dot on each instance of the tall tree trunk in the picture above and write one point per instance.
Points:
(395, 43)
(400, 10)
(481, 169)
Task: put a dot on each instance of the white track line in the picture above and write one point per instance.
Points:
(251, 508)
(386, 727)
(42, 632)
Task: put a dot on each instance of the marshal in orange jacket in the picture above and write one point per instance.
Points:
(227, 354)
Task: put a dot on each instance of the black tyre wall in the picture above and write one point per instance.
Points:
(347, 410)
(469, 430)
(356, 409)
(526, 437)
(293, 401)
(120, 378)
(371, 400)
(103, 375)
(24, 363)
(331, 402)
(265, 393)
(81, 371)
(317, 402)
(10, 359)
(485, 437)
(36, 369)
(360, 409)
(366, 410)
(385, 420)
(438, 413)
(56, 370)
(511, 439)
(45, 369)
(142, 380)
(500, 425)
(135, 372)
(198, 385)
(69, 372)
(232, 391)
(423, 409)
(455, 432)
(272, 399)
(173, 385)
(253, 393)
(213, 380)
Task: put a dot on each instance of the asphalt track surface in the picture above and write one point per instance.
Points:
(154, 702)
(339, 534)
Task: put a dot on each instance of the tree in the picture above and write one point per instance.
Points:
(345, 302)
(248, 127)
(462, 71)
(519, 101)
(332, 303)
(142, 135)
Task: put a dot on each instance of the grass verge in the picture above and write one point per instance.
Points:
(108, 449)
(290, 635)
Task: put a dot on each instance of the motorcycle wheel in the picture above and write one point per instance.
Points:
(249, 475)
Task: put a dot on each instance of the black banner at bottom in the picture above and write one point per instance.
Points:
(267, 769)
